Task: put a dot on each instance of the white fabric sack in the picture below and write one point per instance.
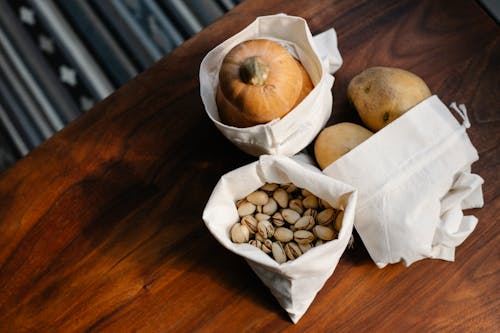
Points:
(319, 56)
(414, 179)
(294, 283)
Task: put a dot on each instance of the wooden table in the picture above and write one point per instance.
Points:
(101, 229)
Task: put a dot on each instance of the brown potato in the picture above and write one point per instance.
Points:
(337, 140)
(382, 94)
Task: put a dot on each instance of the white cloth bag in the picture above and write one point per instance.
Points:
(320, 57)
(414, 179)
(294, 283)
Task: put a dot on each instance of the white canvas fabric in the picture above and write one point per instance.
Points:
(414, 179)
(320, 57)
(294, 283)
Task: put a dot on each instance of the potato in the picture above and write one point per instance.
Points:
(337, 140)
(382, 94)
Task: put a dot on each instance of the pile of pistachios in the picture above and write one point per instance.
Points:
(285, 221)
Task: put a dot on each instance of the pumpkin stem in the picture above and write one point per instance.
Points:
(254, 71)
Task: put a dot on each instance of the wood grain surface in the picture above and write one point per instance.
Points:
(101, 229)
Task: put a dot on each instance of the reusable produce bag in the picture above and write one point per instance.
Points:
(294, 283)
(414, 179)
(319, 56)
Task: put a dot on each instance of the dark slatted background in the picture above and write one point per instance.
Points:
(59, 57)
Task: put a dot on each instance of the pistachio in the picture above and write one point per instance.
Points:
(258, 198)
(305, 193)
(269, 187)
(303, 236)
(259, 238)
(305, 247)
(304, 223)
(283, 234)
(311, 212)
(239, 233)
(270, 207)
(246, 208)
(250, 222)
(290, 215)
(285, 221)
(310, 201)
(338, 221)
(255, 243)
(290, 188)
(325, 216)
(278, 253)
(265, 229)
(292, 250)
(262, 217)
(278, 219)
(239, 202)
(296, 205)
(324, 204)
(281, 197)
(267, 246)
(323, 232)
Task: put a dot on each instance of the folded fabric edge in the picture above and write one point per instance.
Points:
(326, 45)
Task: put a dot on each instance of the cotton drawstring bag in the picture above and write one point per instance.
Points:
(320, 57)
(414, 178)
(294, 283)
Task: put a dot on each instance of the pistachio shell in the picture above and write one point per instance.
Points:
(246, 208)
(290, 188)
(239, 202)
(265, 229)
(250, 222)
(311, 212)
(278, 253)
(267, 246)
(290, 215)
(270, 207)
(262, 217)
(304, 223)
(269, 187)
(281, 197)
(324, 203)
(296, 205)
(278, 219)
(324, 233)
(258, 198)
(325, 216)
(239, 233)
(303, 236)
(305, 247)
(310, 201)
(283, 234)
(255, 243)
(305, 193)
(292, 250)
(259, 238)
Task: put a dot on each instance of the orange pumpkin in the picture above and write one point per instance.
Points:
(259, 81)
